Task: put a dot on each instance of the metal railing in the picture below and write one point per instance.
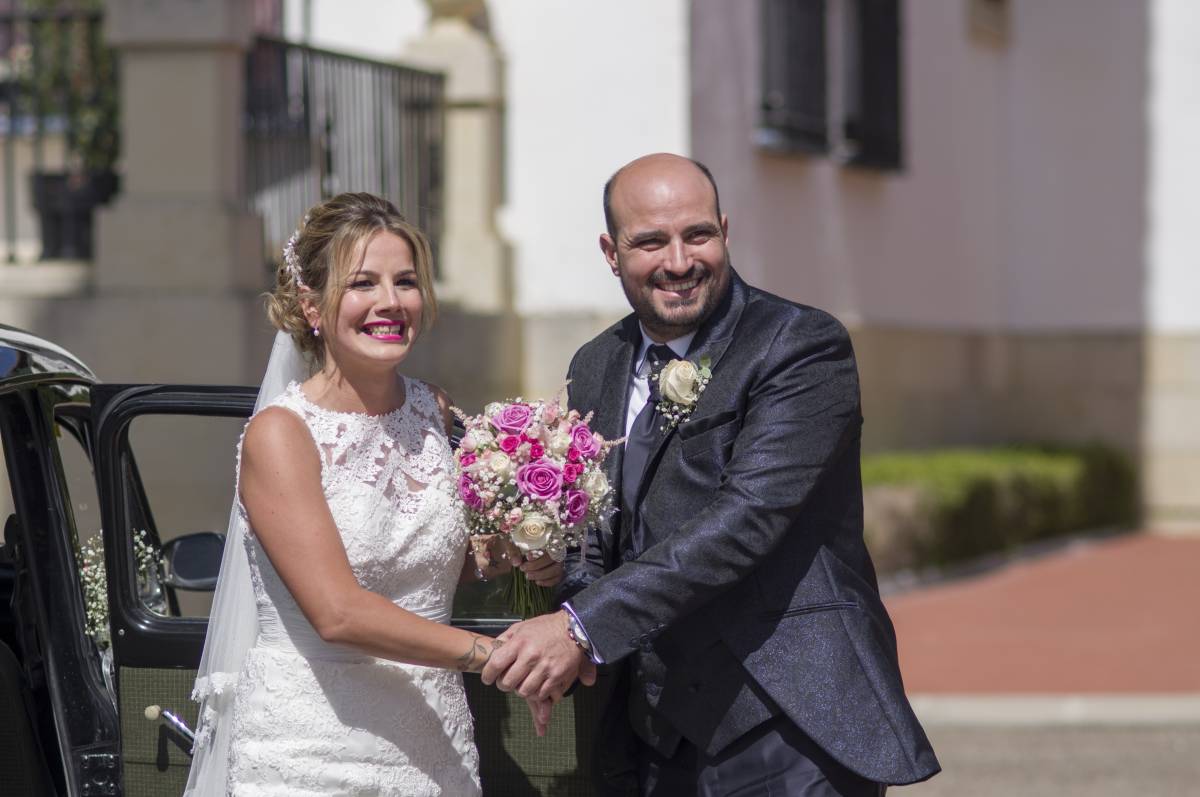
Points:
(59, 136)
(318, 123)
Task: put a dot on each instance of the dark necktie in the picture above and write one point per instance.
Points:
(640, 442)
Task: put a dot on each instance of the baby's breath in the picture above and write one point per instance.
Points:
(94, 579)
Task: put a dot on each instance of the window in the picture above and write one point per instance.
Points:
(831, 80)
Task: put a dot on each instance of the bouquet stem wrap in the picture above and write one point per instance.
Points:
(525, 598)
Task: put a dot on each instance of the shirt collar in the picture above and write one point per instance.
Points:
(679, 345)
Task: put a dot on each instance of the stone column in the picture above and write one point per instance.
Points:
(474, 260)
(179, 262)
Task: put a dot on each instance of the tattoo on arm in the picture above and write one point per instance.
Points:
(478, 654)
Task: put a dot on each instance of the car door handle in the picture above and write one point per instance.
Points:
(172, 721)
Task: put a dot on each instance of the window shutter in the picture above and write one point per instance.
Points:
(793, 76)
(874, 131)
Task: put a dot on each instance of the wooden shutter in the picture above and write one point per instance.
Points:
(793, 76)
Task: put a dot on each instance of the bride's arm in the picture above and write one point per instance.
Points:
(280, 487)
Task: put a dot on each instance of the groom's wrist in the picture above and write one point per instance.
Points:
(579, 635)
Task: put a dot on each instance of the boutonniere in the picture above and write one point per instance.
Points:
(680, 383)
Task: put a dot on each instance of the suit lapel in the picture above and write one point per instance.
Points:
(711, 341)
(611, 406)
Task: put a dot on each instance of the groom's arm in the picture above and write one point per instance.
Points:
(802, 413)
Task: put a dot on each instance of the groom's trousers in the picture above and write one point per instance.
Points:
(773, 760)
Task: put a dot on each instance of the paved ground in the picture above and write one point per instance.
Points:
(1120, 615)
(1074, 673)
(1063, 762)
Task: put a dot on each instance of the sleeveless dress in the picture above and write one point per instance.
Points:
(314, 718)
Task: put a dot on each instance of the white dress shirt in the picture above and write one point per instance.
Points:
(641, 372)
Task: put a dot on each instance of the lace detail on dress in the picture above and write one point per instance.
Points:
(312, 717)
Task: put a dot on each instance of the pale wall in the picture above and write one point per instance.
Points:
(589, 87)
(1019, 206)
(369, 28)
(1173, 114)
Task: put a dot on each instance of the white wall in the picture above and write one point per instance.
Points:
(589, 88)
(1173, 212)
(369, 28)
(1019, 206)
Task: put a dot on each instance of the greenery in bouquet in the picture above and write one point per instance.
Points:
(532, 470)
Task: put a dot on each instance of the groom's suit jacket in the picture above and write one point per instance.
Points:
(754, 594)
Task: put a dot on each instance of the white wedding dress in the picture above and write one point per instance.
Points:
(313, 718)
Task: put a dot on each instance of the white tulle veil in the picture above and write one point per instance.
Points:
(233, 621)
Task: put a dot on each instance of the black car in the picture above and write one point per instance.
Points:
(119, 495)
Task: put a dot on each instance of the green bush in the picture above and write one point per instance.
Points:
(946, 506)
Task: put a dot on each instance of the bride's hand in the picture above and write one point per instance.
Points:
(543, 570)
(540, 711)
(494, 555)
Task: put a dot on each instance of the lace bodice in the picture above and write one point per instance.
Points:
(388, 482)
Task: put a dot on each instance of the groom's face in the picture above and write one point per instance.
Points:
(669, 245)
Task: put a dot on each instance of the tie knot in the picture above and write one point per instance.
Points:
(659, 355)
(656, 357)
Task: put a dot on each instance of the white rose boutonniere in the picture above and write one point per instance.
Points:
(680, 384)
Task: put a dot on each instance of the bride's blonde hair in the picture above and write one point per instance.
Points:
(322, 254)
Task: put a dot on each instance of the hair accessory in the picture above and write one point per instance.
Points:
(289, 255)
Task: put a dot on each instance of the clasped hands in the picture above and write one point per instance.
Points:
(538, 660)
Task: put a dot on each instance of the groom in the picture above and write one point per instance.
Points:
(732, 590)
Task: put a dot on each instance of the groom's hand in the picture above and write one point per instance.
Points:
(538, 659)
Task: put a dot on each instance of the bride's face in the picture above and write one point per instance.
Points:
(380, 311)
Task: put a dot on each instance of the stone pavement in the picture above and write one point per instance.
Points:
(1075, 672)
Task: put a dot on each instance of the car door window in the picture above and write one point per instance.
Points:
(185, 466)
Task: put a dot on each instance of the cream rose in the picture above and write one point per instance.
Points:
(534, 532)
(678, 382)
(501, 464)
(595, 484)
(558, 444)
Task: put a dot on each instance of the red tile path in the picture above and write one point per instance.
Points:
(1120, 615)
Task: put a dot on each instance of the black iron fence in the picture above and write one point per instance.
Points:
(59, 137)
(319, 122)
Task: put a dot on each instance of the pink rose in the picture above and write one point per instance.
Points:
(571, 472)
(541, 481)
(467, 459)
(466, 491)
(577, 507)
(536, 451)
(584, 441)
(509, 443)
(513, 418)
(573, 454)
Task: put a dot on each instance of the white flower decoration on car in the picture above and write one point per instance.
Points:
(680, 383)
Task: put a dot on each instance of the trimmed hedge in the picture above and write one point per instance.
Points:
(934, 508)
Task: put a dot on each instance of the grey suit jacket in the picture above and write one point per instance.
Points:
(755, 594)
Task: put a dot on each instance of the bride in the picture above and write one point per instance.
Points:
(329, 665)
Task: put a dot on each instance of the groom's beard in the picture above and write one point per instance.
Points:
(676, 319)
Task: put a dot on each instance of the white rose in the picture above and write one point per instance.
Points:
(534, 532)
(476, 439)
(501, 464)
(595, 484)
(558, 444)
(677, 382)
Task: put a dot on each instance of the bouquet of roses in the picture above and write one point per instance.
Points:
(531, 470)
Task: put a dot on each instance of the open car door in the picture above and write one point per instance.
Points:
(164, 461)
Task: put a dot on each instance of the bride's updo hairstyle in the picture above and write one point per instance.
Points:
(325, 251)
